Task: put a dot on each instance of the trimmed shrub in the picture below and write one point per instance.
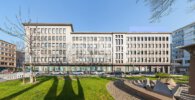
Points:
(162, 75)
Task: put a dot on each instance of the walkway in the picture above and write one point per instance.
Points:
(125, 90)
(121, 93)
(185, 95)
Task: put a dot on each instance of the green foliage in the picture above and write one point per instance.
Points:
(181, 79)
(141, 77)
(162, 75)
(178, 79)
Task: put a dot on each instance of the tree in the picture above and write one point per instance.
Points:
(19, 45)
(18, 30)
(160, 8)
(20, 57)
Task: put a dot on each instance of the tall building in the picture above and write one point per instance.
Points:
(7, 55)
(182, 37)
(56, 47)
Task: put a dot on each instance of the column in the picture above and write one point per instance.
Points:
(168, 69)
(163, 69)
(150, 69)
(139, 69)
(157, 69)
(192, 75)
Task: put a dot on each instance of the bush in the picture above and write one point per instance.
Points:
(162, 75)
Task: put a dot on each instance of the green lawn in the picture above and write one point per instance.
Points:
(56, 88)
(178, 79)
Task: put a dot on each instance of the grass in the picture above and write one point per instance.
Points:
(182, 79)
(56, 88)
(141, 77)
(178, 79)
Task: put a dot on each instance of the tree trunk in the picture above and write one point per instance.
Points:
(23, 74)
(31, 70)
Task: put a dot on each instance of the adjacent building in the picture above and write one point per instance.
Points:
(7, 55)
(56, 47)
(20, 59)
(182, 37)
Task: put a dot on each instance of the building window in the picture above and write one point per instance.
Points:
(64, 30)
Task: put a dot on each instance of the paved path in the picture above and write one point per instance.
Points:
(120, 94)
(185, 95)
(147, 94)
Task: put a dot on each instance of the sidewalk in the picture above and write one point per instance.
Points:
(119, 94)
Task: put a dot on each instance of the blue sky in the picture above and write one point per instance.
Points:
(96, 15)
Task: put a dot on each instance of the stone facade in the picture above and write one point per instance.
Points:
(58, 45)
(7, 55)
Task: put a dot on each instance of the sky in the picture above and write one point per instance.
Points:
(95, 15)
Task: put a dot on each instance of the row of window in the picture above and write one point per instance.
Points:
(46, 38)
(148, 45)
(49, 59)
(137, 52)
(63, 59)
(148, 59)
(118, 36)
(7, 50)
(55, 52)
(6, 64)
(119, 56)
(119, 41)
(93, 60)
(147, 38)
(62, 45)
(7, 54)
(119, 49)
(7, 59)
(92, 53)
(6, 45)
(119, 61)
(91, 45)
(48, 30)
(91, 38)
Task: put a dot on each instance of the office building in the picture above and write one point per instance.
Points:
(56, 47)
(7, 55)
(182, 37)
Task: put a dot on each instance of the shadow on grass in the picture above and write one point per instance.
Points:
(68, 92)
(80, 90)
(43, 79)
(51, 95)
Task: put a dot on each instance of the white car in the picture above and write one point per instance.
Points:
(97, 72)
(57, 73)
(77, 73)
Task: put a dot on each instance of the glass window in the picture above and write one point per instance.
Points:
(64, 30)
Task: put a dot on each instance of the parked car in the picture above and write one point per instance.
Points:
(97, 72)
(119, 74)
(77, 73)
(57, 73)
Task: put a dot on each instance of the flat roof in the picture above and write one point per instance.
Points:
(187, 46)
(184, 27)
(8, 42)
(121, 33)
(48, 24)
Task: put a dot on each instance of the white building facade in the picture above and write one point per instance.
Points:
(182, 37)
(56, 47)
